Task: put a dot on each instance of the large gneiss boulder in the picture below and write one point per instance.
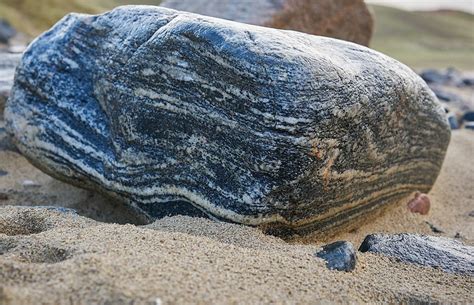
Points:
(176, 112)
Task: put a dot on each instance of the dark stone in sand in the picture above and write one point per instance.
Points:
(242, 123)
(447, 254)
(339, 255)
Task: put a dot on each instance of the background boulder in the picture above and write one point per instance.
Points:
(343, 19)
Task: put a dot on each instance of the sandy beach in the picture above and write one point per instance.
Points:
(48, 256)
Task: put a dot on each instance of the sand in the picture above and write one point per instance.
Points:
(49, 257)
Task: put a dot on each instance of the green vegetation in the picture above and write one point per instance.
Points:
(425, 39)
(35, 16)
(419, 39)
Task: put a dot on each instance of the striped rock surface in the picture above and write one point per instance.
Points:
(177, 112)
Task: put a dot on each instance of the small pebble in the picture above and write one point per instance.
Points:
(339, 256)
(433, 228)
(420, 204)
(453, 121)
(30, 183)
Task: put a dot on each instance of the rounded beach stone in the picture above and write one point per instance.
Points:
(420, 204)
(169, 110)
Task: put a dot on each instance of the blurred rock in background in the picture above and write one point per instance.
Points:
(6, 32)
(343, 19)
(455, 90)
(8, 63)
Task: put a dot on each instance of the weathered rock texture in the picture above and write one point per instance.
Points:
(440, 252)
(176, 111)
(343, 19)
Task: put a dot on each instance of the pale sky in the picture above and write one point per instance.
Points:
(465, 5)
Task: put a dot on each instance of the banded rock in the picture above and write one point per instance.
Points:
(176, 112)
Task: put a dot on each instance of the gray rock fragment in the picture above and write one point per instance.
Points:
(447, 254)
(8, 64)
(453, 121)
(339, 256)
(169, 110)
(6, 142)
